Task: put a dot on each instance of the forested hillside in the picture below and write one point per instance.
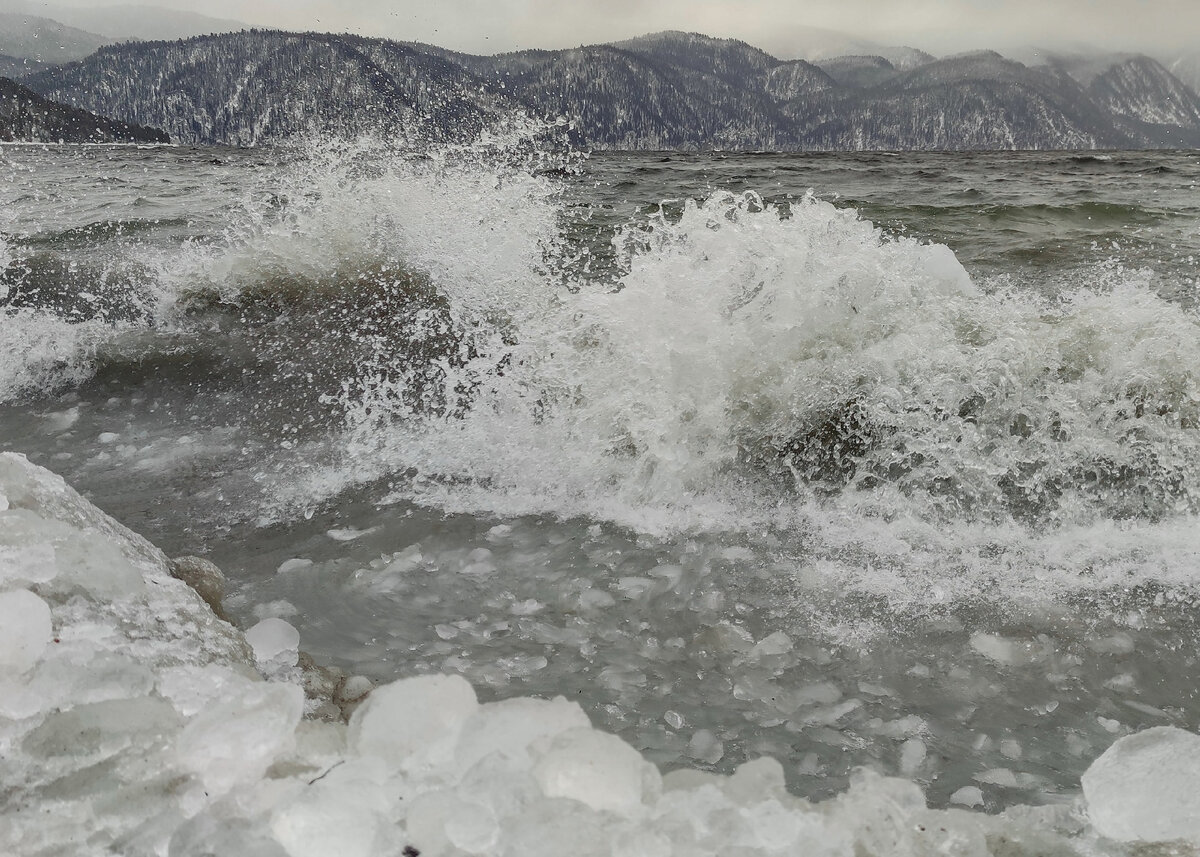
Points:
(663, 91)
(26, 116)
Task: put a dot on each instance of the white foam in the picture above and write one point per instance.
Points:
(39, 350)
(673, 401)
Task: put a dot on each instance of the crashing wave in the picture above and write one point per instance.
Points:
(438, 327)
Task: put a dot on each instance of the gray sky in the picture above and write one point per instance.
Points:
(940, 26)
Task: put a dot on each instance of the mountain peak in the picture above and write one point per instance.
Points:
(669, 90)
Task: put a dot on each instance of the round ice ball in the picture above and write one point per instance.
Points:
(270, 638)
(1144, 787)
(25, 630)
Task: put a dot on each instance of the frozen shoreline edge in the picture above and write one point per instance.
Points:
(134, 720)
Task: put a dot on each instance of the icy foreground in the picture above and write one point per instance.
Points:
(134, 721)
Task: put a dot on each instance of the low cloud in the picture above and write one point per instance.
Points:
(940, 26)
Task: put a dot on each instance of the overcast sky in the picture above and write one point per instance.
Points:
(940, 26)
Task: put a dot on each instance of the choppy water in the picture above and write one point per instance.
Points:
(883, 460)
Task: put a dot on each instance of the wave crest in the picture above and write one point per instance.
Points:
(751, 351)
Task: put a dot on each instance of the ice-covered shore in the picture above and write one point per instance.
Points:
(134, 721)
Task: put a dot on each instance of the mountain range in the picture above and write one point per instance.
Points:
(44, 40)
(26, 116)
(668, 90)
(105, 24)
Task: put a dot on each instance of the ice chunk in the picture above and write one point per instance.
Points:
(968, 796)
(634, 587)
(98, 567)
(595, 599)
(509, 727)
(294, 564)
(596, 769)
(775, 828)
(474, 831)
(354, 688)
(25, 555)
(405, 561)
(60, 421)
(97, 731)
(777, 643)
(413, 724)
(17, 701)
(191, 689)
(997, 648)
(755, 781)
(1144, 787)
(427, 817)
(276, 609)
(341, 817)
(348, 534)
(25, 630)
(912, 756)
(825, 693)
(1119, 643)
(998, 777)
(706, 747)
(724, 637)
(669, 574)
(272, 638)
(498, 533)
(238, 739)
(480, 563)
(440, 819)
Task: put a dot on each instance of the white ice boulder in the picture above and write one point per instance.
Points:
(25, 630)
(25, 556)
(1147, 787)
(508, 727)
(274, 639)
(100, 568)
(413, 724)
(599, 770)
(237, 740)
(440, 820)
(347, 818)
